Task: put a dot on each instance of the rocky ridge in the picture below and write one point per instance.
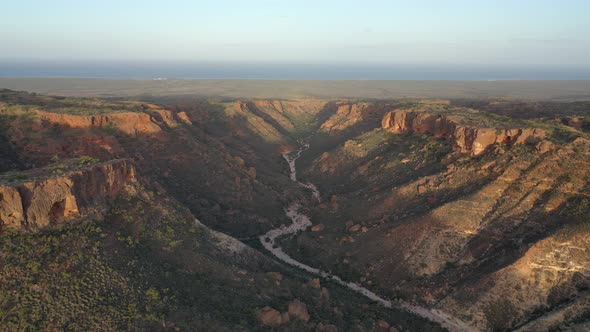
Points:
(49, 199)
(468, 139)
(128, 123)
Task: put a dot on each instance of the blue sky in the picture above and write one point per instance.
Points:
(499, 32)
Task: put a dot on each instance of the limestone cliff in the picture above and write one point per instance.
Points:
(128, 123)
(469, 139)
(53, 198)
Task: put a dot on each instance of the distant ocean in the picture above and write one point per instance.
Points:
(287, 71)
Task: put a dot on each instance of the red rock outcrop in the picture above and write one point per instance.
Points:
(345, 116)
(270, 317)
(55, 199)
(182, 116)
(167, 117)
(129, 123)
(298, 310)
(466, 138)
(11, 207)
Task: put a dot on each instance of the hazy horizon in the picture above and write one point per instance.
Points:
(286, 71)
(426, 35)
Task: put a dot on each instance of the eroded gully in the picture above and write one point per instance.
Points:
(300, 222)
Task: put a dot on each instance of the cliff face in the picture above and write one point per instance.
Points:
(55, 199)
(466, 138)
(129, 123)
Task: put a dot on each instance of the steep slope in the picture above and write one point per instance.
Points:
(205, 172)
(481, 224)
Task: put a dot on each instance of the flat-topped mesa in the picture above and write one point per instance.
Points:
(467, 139)
(49, 199)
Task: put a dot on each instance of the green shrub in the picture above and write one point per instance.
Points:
(87, 160)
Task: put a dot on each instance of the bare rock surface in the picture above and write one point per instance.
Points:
(471, 139)
(49, 199)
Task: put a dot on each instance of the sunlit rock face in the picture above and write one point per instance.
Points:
(49, 199)
(467, 139)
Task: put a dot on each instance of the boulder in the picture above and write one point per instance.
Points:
(355, 228)
(314, 283)
(346, 239)
(318, 228)
(275, 275)
(544, 147)
(269, 317)
(298, 310)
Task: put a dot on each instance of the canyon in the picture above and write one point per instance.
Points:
(301, 222)
(294, 215)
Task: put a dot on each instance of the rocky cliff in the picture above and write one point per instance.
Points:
(469, 139)
(50, 198)
(128, 123)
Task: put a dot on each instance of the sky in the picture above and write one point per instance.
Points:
(478, 32)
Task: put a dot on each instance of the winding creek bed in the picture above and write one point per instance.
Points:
(301, 222)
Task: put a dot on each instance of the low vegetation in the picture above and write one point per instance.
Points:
(408, 216)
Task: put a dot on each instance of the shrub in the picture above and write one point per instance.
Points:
(87, 160)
